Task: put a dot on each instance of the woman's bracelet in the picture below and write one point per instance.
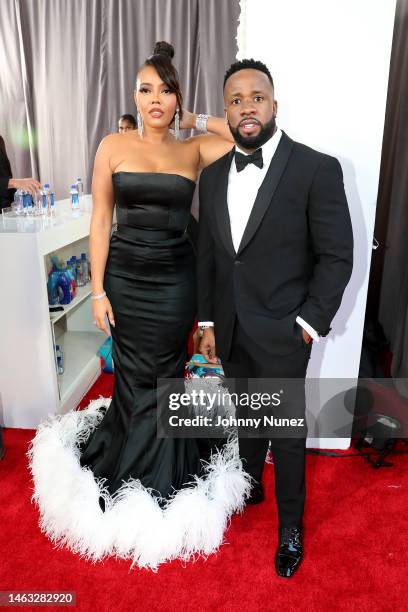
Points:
(98, 296)
(201, 123)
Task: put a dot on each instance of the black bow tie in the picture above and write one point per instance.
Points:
(241, 161)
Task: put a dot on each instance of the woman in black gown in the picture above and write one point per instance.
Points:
(123, 490)
(150, 283)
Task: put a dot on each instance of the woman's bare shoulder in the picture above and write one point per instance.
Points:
(116, 147)
(113, 141)
(120, 141)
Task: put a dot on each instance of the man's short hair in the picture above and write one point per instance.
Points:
(248, 63)
(129, 118)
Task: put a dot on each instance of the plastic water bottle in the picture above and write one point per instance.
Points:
(80, 187)
(50, 199)
(18, 201)
(28, 205)
(74, 266)
(59, 358)
(79, 275)
(37, 204)
(44, 201)
(85, 268)
(72, 276)
(74, 198)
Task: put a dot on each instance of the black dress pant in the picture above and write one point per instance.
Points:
(248, 360)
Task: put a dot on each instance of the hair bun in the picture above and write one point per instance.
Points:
(164, 48)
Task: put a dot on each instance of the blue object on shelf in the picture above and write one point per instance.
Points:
(105, 352)
(59, 287)
(64, 282)
(52, 286)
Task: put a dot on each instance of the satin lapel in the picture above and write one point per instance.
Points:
(267, 189)
(221, 203)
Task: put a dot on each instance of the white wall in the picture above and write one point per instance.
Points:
(330, 63)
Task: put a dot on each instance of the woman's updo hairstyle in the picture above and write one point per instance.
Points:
(163, 53)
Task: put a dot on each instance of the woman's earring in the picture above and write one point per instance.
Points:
(140, 126)
(177, 125)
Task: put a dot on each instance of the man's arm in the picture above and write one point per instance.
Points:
(4, 180)
(206, 273)
(332, 243)
(4, 176)
(205, 257)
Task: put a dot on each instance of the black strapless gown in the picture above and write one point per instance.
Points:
(104, 482)
(150, 282)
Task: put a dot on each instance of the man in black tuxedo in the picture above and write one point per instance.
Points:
(8, 184)
(275, 254)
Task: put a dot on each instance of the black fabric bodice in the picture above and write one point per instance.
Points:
(153, 200)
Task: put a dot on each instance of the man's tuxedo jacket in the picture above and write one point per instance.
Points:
(295, 257)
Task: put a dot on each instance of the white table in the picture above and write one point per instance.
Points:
(30, 388)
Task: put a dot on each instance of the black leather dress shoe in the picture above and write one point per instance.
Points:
(257, 495)
(290, 549)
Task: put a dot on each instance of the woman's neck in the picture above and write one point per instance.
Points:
(159, 136)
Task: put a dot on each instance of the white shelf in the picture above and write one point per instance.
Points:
(79, 352)
(81, 295)
(30, 389)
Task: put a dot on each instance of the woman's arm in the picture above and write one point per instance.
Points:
(215, 125)
(100, 232)
(210, 146)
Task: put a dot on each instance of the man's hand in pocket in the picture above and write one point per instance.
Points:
(306, 337)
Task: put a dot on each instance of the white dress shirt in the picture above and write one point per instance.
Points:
(242, 191)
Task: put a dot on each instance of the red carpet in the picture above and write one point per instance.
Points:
(355, 541)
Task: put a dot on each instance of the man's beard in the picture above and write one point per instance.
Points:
(254, 142)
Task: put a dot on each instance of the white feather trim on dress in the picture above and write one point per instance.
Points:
(133, 525)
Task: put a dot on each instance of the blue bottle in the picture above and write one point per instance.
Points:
(74, 198)
(18, 201)
(80, 187)
(50, 198)
(85, 268)
(74, 266)
(52, 287)
(72, 275)
(79, 274)
(27, 203)
(59, 359)
(44, 201)
(64, 282)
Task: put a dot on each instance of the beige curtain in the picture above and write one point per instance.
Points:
(68, 69)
